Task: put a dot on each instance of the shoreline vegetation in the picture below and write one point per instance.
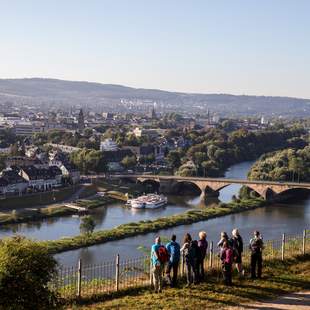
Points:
(284, 165)
(138, 228)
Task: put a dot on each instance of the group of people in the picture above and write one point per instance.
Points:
(166, 258)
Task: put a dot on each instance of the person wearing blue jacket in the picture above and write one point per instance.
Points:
(174, 251)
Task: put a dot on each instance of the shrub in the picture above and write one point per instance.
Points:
(26, 268)
(87, 225)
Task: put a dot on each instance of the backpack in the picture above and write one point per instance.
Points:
(256, 245)
(174, 248)
(163, 255)
(229, 256)
(203, 246)
(192, 251)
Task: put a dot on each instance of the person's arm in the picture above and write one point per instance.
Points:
(183, 247)
(154, 252)
(168, 247)
(220, 243)
(250, 244)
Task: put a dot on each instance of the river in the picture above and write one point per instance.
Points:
(272, 221)
(115, 214)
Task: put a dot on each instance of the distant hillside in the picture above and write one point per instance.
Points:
(108, 97)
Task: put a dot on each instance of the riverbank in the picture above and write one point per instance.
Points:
(144, 227)
(29, 208)
(278, 278)
(38, 199)
(38, 214)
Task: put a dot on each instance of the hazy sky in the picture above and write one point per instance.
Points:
(225, 46)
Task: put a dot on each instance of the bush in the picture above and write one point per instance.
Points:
(87, 225)
(26, 268)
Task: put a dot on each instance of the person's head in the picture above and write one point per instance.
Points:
(187, 238)
(157, 240)
(224, 235)
(256, 233)
(202, 235)
(225, 244)
(173, 238)
(235, 232)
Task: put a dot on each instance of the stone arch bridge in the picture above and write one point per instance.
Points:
(212, 186)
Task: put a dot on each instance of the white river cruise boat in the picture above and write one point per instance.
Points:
(150, 201)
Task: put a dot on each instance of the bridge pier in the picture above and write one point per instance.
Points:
(166, 186)
(208, 193)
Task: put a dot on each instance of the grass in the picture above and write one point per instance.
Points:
(278, 278)
(143, 227)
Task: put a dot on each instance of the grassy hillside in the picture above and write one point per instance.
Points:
(279, 278)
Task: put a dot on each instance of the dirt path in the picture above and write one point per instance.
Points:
(294, 301)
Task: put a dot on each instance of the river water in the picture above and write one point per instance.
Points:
(115, 214)
(272, 221)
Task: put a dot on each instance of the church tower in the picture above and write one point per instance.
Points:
(81, 122)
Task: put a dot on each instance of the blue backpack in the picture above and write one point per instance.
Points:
(174, 249)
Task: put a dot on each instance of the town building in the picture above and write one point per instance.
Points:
(41, 179)
(108, 145)
(12, 183)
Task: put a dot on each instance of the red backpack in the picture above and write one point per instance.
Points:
(229, 256)
(163, 254)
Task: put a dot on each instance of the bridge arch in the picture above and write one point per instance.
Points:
(219, 188)
(186, 187)
(301, 191)
(150, 185)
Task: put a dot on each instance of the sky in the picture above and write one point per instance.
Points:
(253, 47)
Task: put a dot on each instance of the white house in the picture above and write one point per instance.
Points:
(108, 145)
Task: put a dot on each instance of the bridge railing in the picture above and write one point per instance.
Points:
(121, 273)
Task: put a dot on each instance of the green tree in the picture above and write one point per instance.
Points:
(129, 162)
(87, 225)
(88, 160)
(3, 158)
(17, 150)
(296, 166)
(39, 138)
(26, 268)
(174, 159)
(187, 172)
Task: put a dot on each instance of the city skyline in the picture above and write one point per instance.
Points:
(257, 48)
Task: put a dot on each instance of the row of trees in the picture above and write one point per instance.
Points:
(85, 140)
(89, 160)
(215, 150)
(285, 165)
